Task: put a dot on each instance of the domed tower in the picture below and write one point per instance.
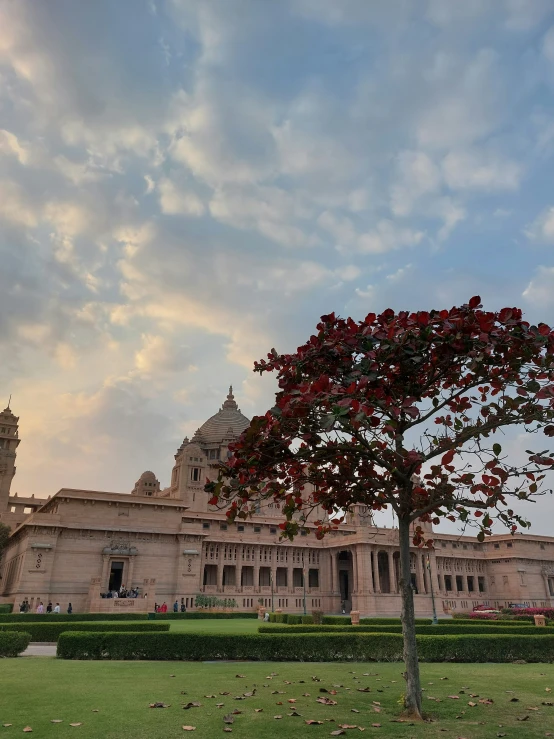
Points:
(147, 484)
(197, 460)
(9, 441)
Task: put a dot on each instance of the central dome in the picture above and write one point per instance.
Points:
(226, 422)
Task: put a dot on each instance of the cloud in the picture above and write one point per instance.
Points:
(177, 201)
(542, 228)
(540, 290)
(464, 170)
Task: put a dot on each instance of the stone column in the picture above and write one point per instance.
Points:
(392, 573)
(238, 568)
(105, 573)
(419, 575)
(256, 563)
(355, 581)
(130, 572)
(220, 565)
(290, 567)
(331, 571)
(375, 570)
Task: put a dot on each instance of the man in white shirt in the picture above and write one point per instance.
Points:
(57, 608)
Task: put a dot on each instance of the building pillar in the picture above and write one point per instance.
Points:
(256, 563)
(331, 570)
(220, 565)
(290, 566)
(105, 574)
(392, 572)
(355, 581)
(375, 570)
(419, 575)
(238, 568)
(130, 573)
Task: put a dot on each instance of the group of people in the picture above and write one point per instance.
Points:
(121, 593)
(25, 607)
(176, 607)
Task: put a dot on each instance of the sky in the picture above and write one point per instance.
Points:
(186, 184)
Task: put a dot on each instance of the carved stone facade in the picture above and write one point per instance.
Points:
(170, 544)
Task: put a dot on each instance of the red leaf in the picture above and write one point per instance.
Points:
(475, 301)
(448, 457)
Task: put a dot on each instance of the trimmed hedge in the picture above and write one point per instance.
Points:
(51, 631)
(393, 621)
(6, 607)
(170, 616)
(396, 629)
(303, 647)
(12, 643)
(8, 618)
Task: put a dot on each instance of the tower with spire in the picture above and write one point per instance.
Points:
(9, 441)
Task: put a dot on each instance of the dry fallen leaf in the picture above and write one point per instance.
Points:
(312, 722)
(291, 700)
(364, 690)
(240, 675)
(192, 704)
(337, 732)
(295, 713)
(454, 697)
(472, 704)
(348, 726)
(209, 696)
(27, 729)
(326, 701)
(277, 717)
(522, 718)
(548, 690)
(219, 705)
(376, 726)
(227, 728)
(56, 720)
(258, 710)
(77, 723)
(547, 703)
(228, 719)
(354, 710)
(376, 709)
(189, 728)
(159, 705)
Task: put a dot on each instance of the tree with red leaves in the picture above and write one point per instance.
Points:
(400, 411)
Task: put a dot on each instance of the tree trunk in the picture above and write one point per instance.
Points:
(412, 702)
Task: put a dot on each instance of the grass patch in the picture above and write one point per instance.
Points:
(216, 626)
(37, 690)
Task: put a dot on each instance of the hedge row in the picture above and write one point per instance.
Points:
(52, 630)
(303, 647)
(69, 617)
(13, 643)
(6, 607)
(397, 629)
(293, 618)
(201, 614)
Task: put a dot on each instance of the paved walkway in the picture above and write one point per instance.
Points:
(40, 650)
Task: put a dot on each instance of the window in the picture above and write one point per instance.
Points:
(459, 583)
(205, 525)
(257, 529)
(510, 545)
(542, 546)
(223, 526)
(273, 530)
(448, 582)
(313, 578)
(443, 544)
(470, 584)
(481, 584)
(497, 546)
(240, 527)
(195, 474)
(303, 532)
(464, 546)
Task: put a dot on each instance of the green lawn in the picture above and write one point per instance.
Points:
(33, 691)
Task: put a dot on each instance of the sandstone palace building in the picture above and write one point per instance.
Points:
(170, 545)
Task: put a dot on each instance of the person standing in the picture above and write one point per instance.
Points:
(49, 607)
(40, 608)
(183, 607)
(163, 608)
(176, 607)
(70, 608)
(57, 608)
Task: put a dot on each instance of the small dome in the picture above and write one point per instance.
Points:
(148, 475)
(227, 423)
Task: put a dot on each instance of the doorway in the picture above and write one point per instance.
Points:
(116, 576)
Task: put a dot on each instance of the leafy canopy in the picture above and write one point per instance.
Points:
(400, 410)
